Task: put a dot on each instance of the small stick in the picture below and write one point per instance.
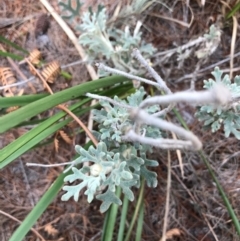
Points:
(99, 97)
(144, 117)
(136, 53)
(129, 76)
(18, 221)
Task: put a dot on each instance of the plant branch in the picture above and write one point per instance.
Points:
(136, 53)
(18, 221)
(192, 141)
(129, 76)
(99, 97)
(218, 95)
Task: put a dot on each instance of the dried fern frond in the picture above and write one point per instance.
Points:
(51, 72)
(35, 56)
(65, 137)
(7, 77)
(56, 144)
(14, 34)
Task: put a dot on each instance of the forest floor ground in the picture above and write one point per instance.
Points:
(196, 207)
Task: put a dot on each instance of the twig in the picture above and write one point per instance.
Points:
(218, 95)
(18, 221)
(195, 73)
(167, 199)
(131, 136)
(99, 97)
(187, 25)
(164, 111)
(129, 76)
(28, 188)
(30, 164)
(233, 39)
(185, 46)
(179, 155)
(192, 141)
(17, 84)
(74, 63)
(136, 53)
(71, 36)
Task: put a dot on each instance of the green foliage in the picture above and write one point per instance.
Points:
(113, 163)
(111, 44)
(13, 45)
(233, 11)
(226, 116)
(69, 9)
(213, 33)
(114, 120)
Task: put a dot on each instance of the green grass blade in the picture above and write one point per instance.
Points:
(105, 223)
(233, 10)
(140, 223)
(66, 75)
(10, 55)
(123, 219)
(136, 211)
(9, 153)
(111, 220)
(12, 155)
(52, 192)
(10, 43)
(14, 118)
(40, 207)
(20, 100)
(43, 130)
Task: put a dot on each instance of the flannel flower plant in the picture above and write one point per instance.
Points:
(127, 131)
(123, 165)
(103, 40)
(227, 115)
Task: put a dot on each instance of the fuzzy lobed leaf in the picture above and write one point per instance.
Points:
(226, 116)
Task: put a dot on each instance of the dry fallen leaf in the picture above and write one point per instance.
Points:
(50, 230)
(172, 233)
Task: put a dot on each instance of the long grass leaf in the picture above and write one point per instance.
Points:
(140, 223)
(111, 221)
(14, 118)
(123, 219)
(10, 43)
(233, 10)
(11, 154)
(8, 153)
(47, 198)
(10, 55)
(136, 211)
(31, 138)
(37, 211)
(20, 100)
